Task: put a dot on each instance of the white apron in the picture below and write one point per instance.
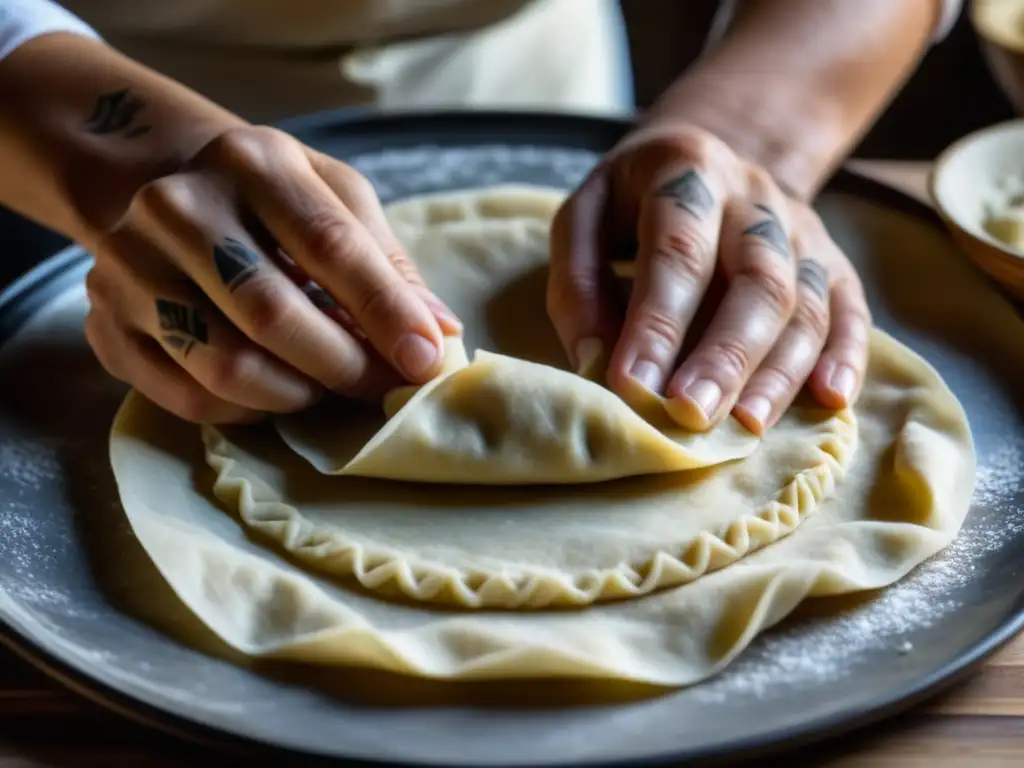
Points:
(267, 59)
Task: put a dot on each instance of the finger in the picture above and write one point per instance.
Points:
(138, 360)
(578, 301)
(754, 311)
(677, 234)
(252, 291)
(839, 375)
(320, 298)
(337, 251)
(197, 336)
(361, 199)
(774, 386)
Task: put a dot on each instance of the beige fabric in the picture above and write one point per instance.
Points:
(269, 59)
(847, 503)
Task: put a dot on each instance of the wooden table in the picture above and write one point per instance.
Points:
(978, 723)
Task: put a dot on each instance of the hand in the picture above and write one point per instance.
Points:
(792, 309)
(196, 305)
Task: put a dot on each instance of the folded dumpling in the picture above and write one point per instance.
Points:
(512, 413)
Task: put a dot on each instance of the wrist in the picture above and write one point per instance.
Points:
(83, 128)
(101, 175)
(796, 135)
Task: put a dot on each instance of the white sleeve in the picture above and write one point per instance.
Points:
(21, 20)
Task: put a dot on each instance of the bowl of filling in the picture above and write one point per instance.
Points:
(1000, 28)
(977, 186)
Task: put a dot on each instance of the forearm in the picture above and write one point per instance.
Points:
(795, 83)
(83, 127)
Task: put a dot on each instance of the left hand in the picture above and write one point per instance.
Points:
(792, 312)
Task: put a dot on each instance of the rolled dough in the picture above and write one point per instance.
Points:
(672, 570)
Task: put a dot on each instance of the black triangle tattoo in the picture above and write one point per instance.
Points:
(690, 193)
(771, 234)
(235, 263)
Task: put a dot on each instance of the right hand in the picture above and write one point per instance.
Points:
(195, 304)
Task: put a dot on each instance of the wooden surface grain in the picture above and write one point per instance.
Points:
(979, 722)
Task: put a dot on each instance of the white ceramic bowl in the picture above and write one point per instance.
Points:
(963, 178)
(1000, 28)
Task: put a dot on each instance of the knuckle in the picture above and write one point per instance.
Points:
(95, 338)
(253, 147)
(382, 301)
(233, 372)
(560, 301)
(329, 237)
(684, 256)
(268, 314)
(759, 180)
(570, 289)
(775, 284)
(355, 183)
(730, 357)
(97, 330)
(690, 144)
(775, 380)
(97, 288)
(813, 317)
(404, 266)
(166, 198)
(662, 329)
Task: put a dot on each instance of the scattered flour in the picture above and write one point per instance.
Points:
(803, 654)
(28, 463)
(827, 649)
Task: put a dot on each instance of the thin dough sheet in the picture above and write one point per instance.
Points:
(658, 578)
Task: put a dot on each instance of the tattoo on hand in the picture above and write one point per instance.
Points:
(321, 299)
(770, 232)
(235, 263)
(183, 326)
(115, 112)
(690, 193)
(814, 276)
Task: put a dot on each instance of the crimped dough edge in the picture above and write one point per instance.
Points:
(385, 570)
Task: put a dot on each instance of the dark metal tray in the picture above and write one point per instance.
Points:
(65, 549)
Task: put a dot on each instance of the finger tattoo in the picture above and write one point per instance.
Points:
(116, 112)
(321, 299)
(183, 327)
(770, 232)
(235, 263)
(815, 276)
(690, 193)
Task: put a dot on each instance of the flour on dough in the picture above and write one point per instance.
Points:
(677, 572)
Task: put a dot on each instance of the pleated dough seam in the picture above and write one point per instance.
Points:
(382, 569)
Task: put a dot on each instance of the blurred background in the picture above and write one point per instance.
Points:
(952, 94)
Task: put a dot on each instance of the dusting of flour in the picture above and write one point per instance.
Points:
(805, 654)
(822, 650)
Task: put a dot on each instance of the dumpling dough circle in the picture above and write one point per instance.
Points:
(904, 493)
(509, 420)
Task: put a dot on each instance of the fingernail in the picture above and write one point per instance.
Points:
(646, 374)
(757, 407)
(587, 351)
(706, 394)
(415, 355)
(844, 381)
